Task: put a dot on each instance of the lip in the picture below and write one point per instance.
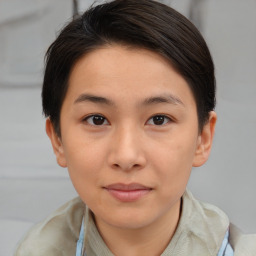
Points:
(127, 192)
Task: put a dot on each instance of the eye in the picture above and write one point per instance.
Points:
(159, 120)
(96, 120)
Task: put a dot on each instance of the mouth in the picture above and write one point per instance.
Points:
(127, 192)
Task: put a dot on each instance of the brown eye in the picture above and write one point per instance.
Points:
(159, 120)
(96, 120)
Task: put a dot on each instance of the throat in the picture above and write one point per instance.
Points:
(152, 239)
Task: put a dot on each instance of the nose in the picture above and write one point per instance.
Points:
(127, 150)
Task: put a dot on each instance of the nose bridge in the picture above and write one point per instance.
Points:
(127, 148)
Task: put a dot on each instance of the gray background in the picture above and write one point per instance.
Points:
(31, 183)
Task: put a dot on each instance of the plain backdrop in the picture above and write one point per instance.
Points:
(31, 183)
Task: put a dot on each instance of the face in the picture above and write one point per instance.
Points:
(129, 136)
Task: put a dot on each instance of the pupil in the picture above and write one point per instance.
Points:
(158, 120)
(98, 120)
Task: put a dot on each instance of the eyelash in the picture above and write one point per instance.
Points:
(163, 118)
(96, 118)
(103, 121)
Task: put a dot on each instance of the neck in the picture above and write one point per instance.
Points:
(149, 240)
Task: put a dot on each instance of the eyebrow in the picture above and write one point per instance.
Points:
(165, 98)
(94, 99)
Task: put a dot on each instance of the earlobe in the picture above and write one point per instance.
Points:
(56, 143)
(205, 140)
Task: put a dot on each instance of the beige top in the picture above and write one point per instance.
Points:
(200, 232)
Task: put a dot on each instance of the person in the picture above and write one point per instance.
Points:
(129, 96)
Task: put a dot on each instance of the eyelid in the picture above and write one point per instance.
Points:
(167, 118)
(170, 119)
(85, 119)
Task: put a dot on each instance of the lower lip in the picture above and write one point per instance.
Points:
(128, 195)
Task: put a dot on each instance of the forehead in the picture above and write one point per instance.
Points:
(128, 71)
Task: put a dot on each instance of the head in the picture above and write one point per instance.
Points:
(139, 24)
(129, 91)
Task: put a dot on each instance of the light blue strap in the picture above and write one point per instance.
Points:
(226, 249)
(79, 245)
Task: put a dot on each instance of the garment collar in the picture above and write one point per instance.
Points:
(201, 228)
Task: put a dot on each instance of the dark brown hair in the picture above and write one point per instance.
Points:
(139, 23)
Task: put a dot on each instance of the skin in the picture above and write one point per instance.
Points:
(128, 88)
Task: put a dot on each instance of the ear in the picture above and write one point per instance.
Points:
(204, 143)
(56, 143)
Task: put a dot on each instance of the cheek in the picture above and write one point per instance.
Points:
(84, 168)
(176, 151)
(173, 160)
(81, 150)
(173, 175)
(84, 161)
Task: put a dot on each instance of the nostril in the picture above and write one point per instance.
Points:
(127, 167)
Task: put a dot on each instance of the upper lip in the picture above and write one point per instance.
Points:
(127, 187)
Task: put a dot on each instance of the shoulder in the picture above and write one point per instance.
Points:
(206, 214)
(243, 244)
(202, 226)
(56, 235)
(211, 223)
